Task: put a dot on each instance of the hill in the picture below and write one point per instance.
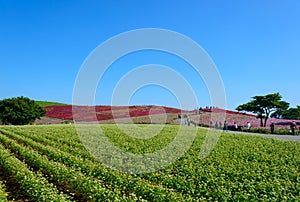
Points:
(104, 113)
(63, 113)
(47, 103)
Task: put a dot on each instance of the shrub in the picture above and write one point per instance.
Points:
(20, 111)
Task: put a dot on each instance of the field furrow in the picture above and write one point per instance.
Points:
(239, 168)
(82, 186)
(112, 179)
(32, 184)
(67, 146)
(3, 196)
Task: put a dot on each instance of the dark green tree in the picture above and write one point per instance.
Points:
(264, 106)
(20, 111)
(291, 113)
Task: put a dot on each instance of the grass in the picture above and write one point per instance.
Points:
(47, 103)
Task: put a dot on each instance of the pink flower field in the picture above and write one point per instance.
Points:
(87, 113)
(201, 117)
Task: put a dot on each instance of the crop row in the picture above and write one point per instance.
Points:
(79, 184)
(53, 140)
(67, 146)
(66, 143)
(113, 180)
(3, 197)
(33, 184)
(239, 168)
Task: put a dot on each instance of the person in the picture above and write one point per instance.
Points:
(293, 126)
(179, 118)
(272, 127)
(235, 126)
(248, 126)
(216, 125)
(225, 127)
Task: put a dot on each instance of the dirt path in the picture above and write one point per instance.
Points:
(282, 137)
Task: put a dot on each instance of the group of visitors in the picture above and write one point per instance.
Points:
(226, 127)
(218, 125)
(235, 127)
(293, 128)
(185, 120)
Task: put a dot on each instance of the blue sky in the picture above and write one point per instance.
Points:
(255, 46)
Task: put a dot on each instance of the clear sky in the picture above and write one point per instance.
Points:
(254, 44)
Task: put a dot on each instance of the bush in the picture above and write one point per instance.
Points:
(19, 111)
(282, 131)
(260, 130)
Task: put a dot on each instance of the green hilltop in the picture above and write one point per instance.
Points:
(47, 103)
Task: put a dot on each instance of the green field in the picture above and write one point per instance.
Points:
(49, 163)
(47, 103)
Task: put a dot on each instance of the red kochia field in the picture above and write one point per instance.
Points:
(87, 113)
(104, 113)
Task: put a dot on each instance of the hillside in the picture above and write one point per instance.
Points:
(47, 103)
(63, 113)
(107, 114)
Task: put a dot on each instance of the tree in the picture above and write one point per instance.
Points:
(20, 111)
(291, 113)
(264, 106)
